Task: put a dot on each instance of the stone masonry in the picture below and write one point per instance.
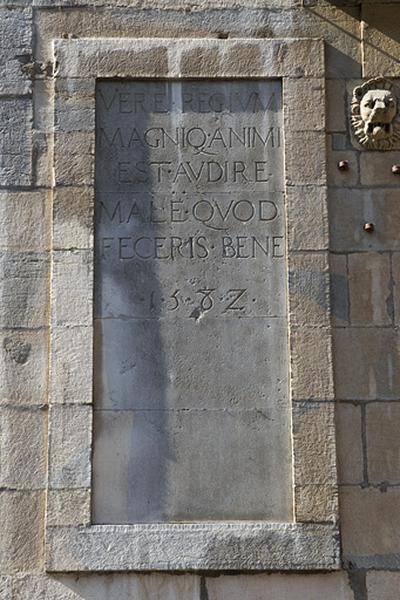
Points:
(362, 40)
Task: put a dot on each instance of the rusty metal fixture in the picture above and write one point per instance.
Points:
(369, 227)
(343, 165)
(396, 169)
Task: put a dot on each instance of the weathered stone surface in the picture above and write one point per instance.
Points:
(316, 502)
(383, 443)
(22, 519)
(311, 366)
(16, 48)
(107, 587)
(370, 525)
(339, 289)
(307, 218)
(228, 546)
(68, 507)
(336, 105)
(310, 93)
(367, 359)
(71, 362)
(70, 447)
(396, 285)
(349, 443)
(5, 588)
(24, 279)
(351, 208)
(24, 220)
(313, 441)
(334, 586)
(309, 287)
(180, 466)
(313, 170)
(370, 287)
(16, 141)
(72, 303)
(382, 585)
(73, 158)
(381, 39)
(338, 178)
(73, 218)
(376, 168)
(22, 440)
(175, 294)
(23, 366)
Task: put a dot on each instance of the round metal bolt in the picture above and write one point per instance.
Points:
(369, 227)
(396, 169)
(343, 165)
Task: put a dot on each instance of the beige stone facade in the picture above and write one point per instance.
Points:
(45, 245)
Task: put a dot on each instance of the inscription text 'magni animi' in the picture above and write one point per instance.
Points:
(191, 398)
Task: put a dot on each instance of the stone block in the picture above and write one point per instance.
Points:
(23, 366)
(338, 178)
(73, 218)
(396, 286)
(68, 508)
(165, 363)
(316, 502)
(349, 443)
(301, 170)
(311, 94)
(367, 360)
(381, 39)
(72, 287)
(23, 435)
(70, 447)
(78, 148)
(24, 278)
(370, 520)
(309, 292)
(115, 586)
(24, 221)
(160, 466)
(350, 209)
(383, 585)
(307, 218)
(86, 60)
(339, 289)
(16, 49)
(43, 110)
(336, 108)
(376, 168)
(5, 588)
(314, 443)
(383, 442)
(21, 531)
(330, 586)
(311, 364)
(371, 295)
(16, 141)
(71, 365)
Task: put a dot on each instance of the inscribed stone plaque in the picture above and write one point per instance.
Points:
(191, 377)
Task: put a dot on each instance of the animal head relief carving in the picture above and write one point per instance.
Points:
(374, 115)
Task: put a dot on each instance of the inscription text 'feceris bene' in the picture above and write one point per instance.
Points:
(190, 278)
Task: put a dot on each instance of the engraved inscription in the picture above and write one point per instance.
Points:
(191, 392)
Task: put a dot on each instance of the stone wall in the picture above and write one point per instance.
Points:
(362, 41)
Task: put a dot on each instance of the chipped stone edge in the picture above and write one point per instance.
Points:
(312, 541)
(199, 546)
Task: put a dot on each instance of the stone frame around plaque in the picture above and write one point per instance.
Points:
(311, 541)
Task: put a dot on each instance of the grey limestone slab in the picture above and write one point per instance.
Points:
(190, 359)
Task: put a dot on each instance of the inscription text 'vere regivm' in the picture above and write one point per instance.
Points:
(191, 391)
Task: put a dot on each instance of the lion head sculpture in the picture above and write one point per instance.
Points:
(374, 115)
